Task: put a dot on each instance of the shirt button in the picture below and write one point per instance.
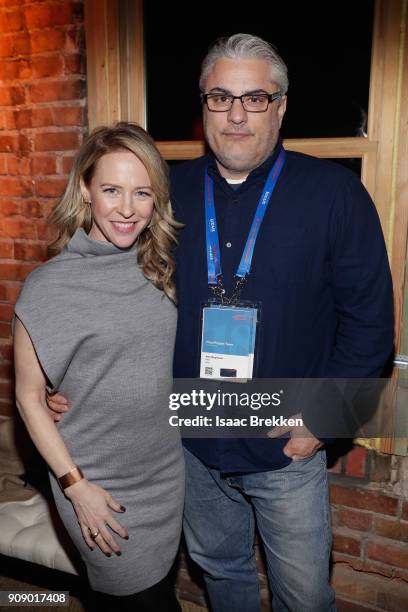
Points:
(228, 245)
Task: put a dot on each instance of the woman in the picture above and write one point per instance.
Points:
(98, 322)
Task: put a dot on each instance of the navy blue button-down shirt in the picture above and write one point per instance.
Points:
(320, 271)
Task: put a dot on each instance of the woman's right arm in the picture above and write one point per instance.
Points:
(91, 502)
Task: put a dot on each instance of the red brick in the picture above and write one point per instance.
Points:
(375, 590)
(393, 598)
(18, 165)
(51, 188)
(363, 499)
(13, 45)
(386, 551)
(334, 516)
(28, 251)
(31, 208)
(6, 46)
(353, 519)
(46, 232)
(49, 91)
(43, 228)
(43, 164)
(3, 165)
(12, 293)
(11, 21)
(8, 143)
(7, 371)
(7, 119)
(388, 571)
(393, 529)
(24, 144)
(355, 585)
(6, 387)
(11, 96)
(405, 510)
(45, 15)
(10, 3)
(22, 118)
(9, 208)
(343, 605)
(15, 271)
(355, 562)
(7, 408)
(401, 574)
(6, 250)
(356, 462)
(56, 141)
(15, 187)
(47, 66)
(74, 64)
(47, 40)
(19, 143)
(6, 312)
(73, 41)
(47, 206)
(17, 228)
(67, 164)
(5, 332)
(344, 542)
(17, 69)
(41, 117)
(72, 115)
(6, 351)
(9, 271)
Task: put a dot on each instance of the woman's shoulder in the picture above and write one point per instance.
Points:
(46, 276)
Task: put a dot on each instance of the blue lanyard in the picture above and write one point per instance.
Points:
(211, 231)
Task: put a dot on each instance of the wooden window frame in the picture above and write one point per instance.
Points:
(116, 91)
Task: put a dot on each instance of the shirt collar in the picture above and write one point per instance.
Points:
(82, 244)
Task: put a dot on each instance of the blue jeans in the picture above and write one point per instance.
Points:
(290, 507)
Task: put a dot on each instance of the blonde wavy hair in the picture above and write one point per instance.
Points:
(157, 240)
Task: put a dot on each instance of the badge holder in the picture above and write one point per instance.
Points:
(229, 339)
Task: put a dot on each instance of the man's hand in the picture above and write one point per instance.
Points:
(57, 405)
(302, 443)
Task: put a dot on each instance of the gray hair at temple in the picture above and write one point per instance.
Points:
(245, 46)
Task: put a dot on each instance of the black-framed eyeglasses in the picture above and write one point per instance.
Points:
(252, 103)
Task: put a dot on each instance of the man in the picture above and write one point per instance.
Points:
(320, 272)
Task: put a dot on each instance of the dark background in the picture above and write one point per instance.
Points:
(326, 46)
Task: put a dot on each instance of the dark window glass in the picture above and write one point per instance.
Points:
(326, 45)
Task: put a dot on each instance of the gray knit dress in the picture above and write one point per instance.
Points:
(104, 336)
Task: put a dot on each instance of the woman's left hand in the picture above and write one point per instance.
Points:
(92, 504)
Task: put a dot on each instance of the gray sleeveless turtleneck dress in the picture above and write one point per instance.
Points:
(104, 336)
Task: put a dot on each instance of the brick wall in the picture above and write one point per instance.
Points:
(370, 530)
(42, 118)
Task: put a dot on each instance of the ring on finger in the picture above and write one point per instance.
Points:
(95, 535)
